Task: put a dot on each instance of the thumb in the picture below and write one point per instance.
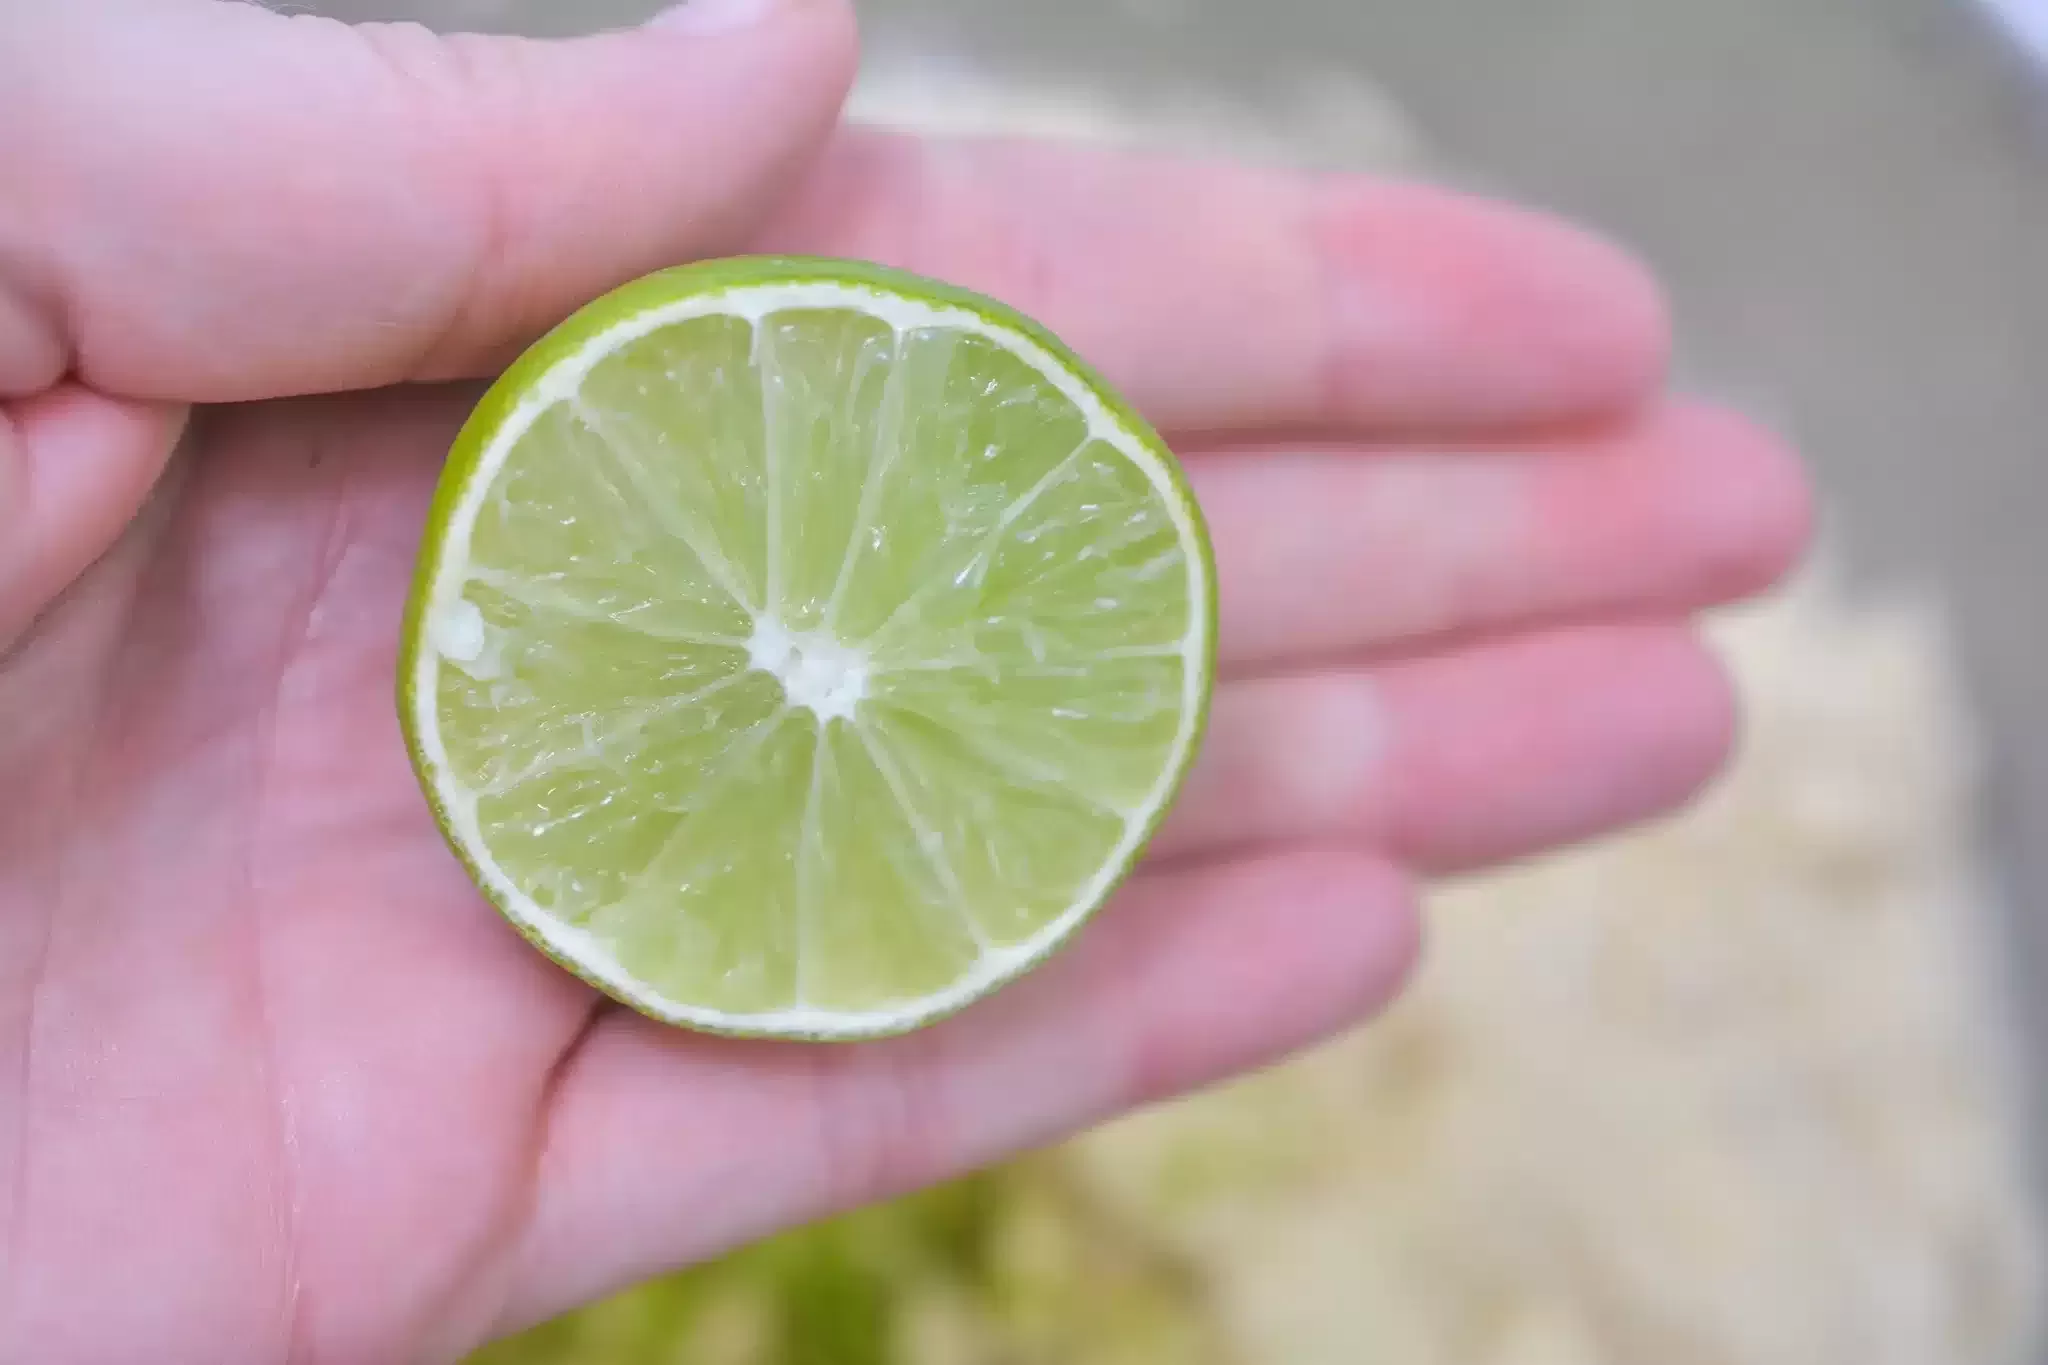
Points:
(223, 203)
(209, 202)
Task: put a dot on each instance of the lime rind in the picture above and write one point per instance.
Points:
(552, 372)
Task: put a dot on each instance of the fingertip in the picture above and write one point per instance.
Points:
(1688, 741)
(1261, 959)
(1687, 507)
(1752, 499)
(1571, 733)
(1386, 901)
(1352, 926)
(1622, 338)
(1503, 315)
(1656, 702)
(1669, 721)
(826, 31)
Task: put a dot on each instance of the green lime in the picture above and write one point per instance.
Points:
(804, 649)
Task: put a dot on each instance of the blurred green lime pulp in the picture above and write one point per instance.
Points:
(1011, 1267)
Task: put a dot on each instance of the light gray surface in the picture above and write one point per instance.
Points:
(1848, 198)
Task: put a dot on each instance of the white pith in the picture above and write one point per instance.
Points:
(820, 674)
(824, 675)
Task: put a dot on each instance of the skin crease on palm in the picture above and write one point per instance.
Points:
(275, 1084)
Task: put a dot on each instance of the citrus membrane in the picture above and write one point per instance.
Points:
(800, 648)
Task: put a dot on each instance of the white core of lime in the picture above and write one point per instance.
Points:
(805, 655)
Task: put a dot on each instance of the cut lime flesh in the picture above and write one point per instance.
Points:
(804, 649)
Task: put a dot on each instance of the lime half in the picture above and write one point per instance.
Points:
(804, 649)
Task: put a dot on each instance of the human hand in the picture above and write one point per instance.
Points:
(274, 1081)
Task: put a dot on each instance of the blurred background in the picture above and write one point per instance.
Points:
(1760, 1085)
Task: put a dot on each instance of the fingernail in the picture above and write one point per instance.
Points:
(704, 17)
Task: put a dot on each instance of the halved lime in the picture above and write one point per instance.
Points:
(804, 649)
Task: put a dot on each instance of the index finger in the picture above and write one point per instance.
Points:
(1229, 299)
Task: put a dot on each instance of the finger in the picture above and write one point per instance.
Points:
(664, 1148)
(1328, 553)
(1221, 297)
(222, 203)
(74, 468)
(1477, 757)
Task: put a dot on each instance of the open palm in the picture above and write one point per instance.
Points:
(276, 1084)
